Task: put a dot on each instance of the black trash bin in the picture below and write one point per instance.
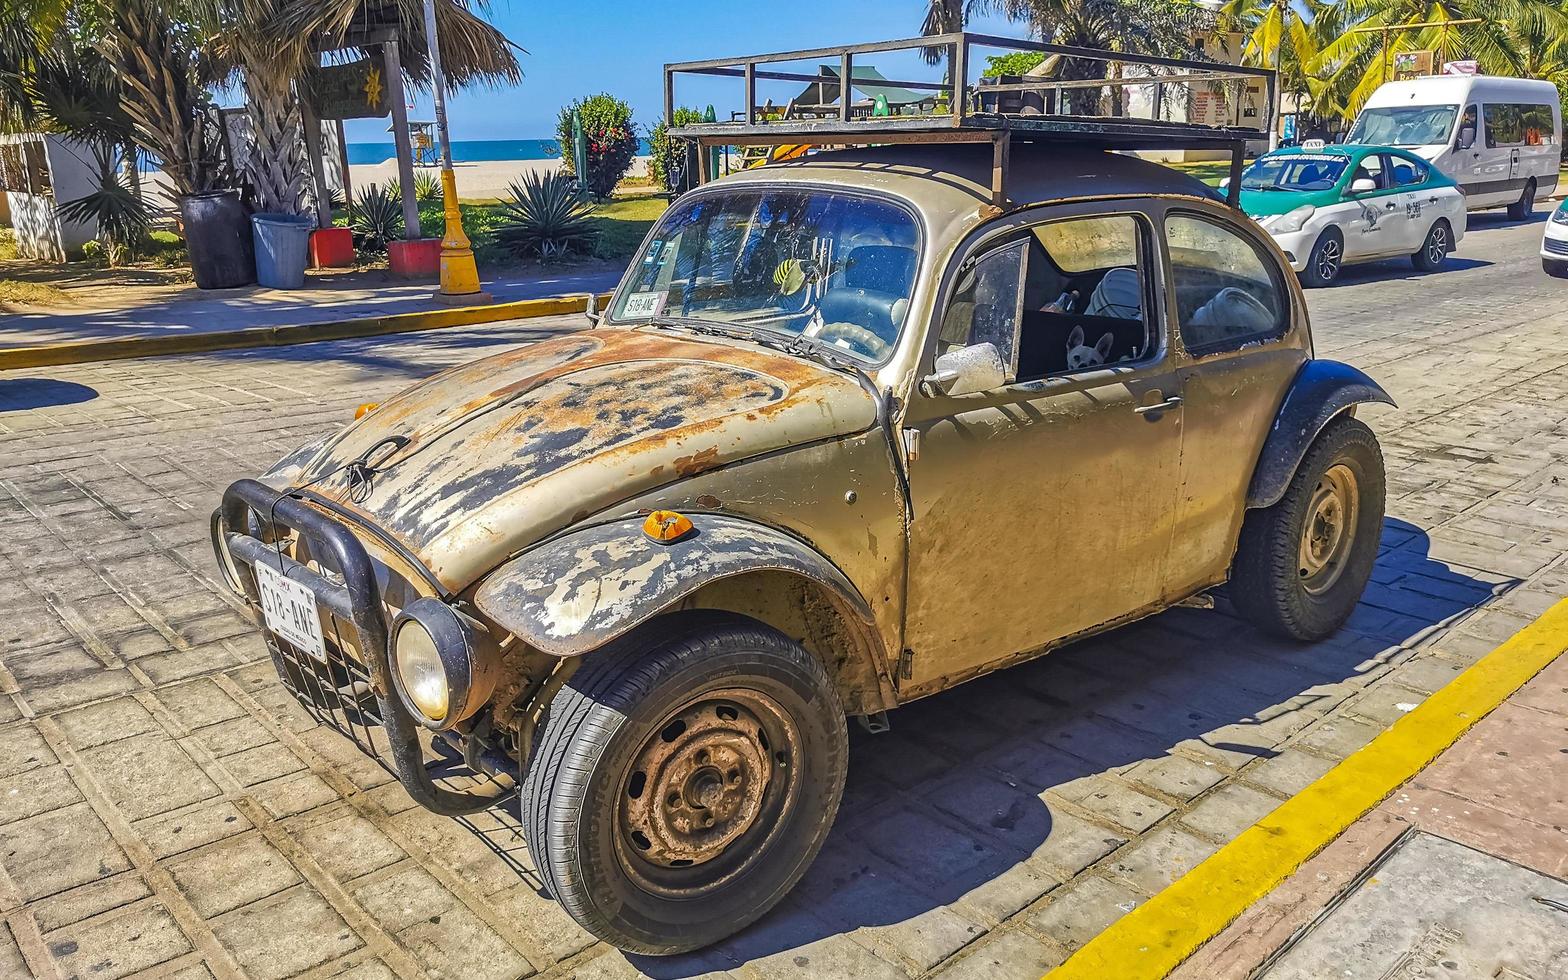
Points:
(218, 238)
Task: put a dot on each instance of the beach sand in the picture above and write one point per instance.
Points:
(475, 181)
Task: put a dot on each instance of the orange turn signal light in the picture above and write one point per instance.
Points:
(666, 526)
(365, 409)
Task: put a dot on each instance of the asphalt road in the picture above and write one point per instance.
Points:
(165, 807)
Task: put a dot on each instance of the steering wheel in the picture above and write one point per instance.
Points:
(870, 343)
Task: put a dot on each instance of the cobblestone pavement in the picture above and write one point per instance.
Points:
(166, 809)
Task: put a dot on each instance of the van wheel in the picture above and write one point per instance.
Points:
(1327, 258)
(1522, 209)
(1556, 268)
(1303, 563)
(683, 780)
(1439, 239)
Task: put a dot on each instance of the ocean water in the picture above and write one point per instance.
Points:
(472, 151)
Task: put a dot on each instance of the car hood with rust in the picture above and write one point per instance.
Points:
(507, 449)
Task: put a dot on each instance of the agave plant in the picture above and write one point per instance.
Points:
(545, 216)
(427, 187)
(376, 217)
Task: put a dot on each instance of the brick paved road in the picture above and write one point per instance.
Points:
(165, 809)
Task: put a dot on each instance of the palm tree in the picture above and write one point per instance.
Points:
(272, 44)
(1278, 35)
(1157, 27)
(1514, 37)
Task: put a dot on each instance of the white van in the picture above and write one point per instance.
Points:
(1500, 138)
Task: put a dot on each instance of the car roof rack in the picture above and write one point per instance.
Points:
(1127, 109)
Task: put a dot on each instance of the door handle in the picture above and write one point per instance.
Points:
(1173, 401)
(1390, 206)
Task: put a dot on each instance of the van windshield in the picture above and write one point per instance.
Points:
(1415, 125)
(835, 267)
(1297, 172)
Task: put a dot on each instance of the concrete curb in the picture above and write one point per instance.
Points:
(86, 351)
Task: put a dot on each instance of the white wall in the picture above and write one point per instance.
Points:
(73, 173)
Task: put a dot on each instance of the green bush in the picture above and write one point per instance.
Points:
(543, 216)
(612, 141)
(427, 187)
(376, 217)
(1016, 63)
(669, 155)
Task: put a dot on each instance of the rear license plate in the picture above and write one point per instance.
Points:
(290, 611)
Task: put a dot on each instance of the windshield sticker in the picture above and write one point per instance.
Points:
(640, 306)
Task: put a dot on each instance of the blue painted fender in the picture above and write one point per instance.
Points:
(1320, 391)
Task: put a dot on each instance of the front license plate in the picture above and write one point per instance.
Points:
(290, 610)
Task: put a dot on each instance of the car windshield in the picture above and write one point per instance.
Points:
(1417, 125)
(830, 266)
(1294, 173)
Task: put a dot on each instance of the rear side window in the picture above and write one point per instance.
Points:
(1226, 295)
(1518, 124)
(1407, 172)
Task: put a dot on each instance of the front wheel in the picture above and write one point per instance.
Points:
(1556, 268)
(1522, 209)
(1303, 563)
(1327, 258)
(683, 780)
(1439, 240)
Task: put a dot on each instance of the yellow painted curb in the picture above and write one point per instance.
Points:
(1153, 939)
(83, 351)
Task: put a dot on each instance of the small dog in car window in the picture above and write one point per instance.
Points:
(1080, 355)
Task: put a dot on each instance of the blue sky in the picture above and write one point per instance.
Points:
(621, 46)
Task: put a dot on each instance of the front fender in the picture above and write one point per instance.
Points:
(1320, 391)
(580, 591)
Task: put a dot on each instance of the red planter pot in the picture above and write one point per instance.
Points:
(419, 258)
(331, 248)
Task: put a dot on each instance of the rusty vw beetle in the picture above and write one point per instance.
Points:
(847, 435)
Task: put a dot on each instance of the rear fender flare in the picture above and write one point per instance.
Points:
(577, 592)
(1320, 391)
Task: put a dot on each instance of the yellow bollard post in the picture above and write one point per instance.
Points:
(459, 273)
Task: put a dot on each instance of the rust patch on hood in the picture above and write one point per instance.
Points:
(571, 425)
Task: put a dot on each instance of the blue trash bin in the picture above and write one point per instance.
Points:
(282, 249)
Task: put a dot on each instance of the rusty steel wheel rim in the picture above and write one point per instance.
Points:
(705, 792)
(1328, 533)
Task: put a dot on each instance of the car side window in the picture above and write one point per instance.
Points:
(1408, 173)
(985, 307)
(1225, 294)
(1082, 303)
(1371, 168)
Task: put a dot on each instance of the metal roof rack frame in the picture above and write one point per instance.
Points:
(975, 113)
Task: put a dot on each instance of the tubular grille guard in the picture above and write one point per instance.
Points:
(352, 696)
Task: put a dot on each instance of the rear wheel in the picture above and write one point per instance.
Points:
(683, 780)
(1327, 258)
(1522, 209)
(1439, 240)
(1303, 563)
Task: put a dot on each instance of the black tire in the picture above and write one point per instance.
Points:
(1556, 268)
(1522, 209)
(1325, 261)
(582, 794)
(1434, 250)
(1269, 584)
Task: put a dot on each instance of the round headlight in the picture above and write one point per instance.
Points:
(420, 672)
(444, 663)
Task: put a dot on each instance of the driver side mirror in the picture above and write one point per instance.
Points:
(1466, 138)
(967, 370)
(1363, 185)
(1225, 184)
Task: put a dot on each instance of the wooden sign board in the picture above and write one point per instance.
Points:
(1412, 64)
(357, 90)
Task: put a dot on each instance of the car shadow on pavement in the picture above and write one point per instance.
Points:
(1400, 269)
(21, 394)
(414, 355)
(982, 799)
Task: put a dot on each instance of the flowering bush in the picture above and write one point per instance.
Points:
(612, 141)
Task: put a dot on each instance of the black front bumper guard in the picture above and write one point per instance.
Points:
(351, 697)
